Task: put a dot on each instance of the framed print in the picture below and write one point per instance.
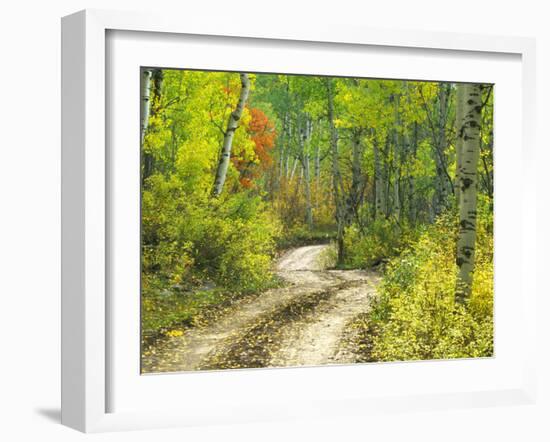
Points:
(248, 217)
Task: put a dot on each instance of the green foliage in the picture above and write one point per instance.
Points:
(416, 316)
(188, 240)
(192, 242)
(376, 243)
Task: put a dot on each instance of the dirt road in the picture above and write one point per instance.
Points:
(303, 323)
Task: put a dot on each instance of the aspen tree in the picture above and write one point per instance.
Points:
(145, 87)
(470, 136)
(337, 186)
(232, 125)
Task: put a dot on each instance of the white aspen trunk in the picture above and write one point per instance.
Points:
(317, 164)
(281, 164)
(356, 189)
(293, 170)
(145, 86)
(396, 159)
(396, 199)
(337, 185)
(154, 107)
(459, 141)
(440, 197)
(307, 188)
(470, 134)
(287, 164)
(282, 150)
(232, 126)
(307, 191)
(412, 153)
(288, 170)
(386, 177)
(380, 208)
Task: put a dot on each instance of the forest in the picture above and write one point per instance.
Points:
(278, 207)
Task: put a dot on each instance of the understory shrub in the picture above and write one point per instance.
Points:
(416, 316)
(193, 243)
(376, 243)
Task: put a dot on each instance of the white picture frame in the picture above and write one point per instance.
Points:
(86, 315)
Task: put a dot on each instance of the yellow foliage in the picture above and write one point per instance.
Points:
(417, 317)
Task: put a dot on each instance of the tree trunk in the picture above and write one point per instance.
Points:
(357, 180)
(287, 153)
(157, 78)
(442, 178)
(470, 135)
(232, 125)
(380, 198)
(317, 165)
(154, 105)
(386, 176)
(307, 184)
(145, 86)
(281, 142)
(307, 191)
(336, 176)
(397, 158)
(293, 170)
(396, 196)
(411, 190)
(459, 142)
(145, 92)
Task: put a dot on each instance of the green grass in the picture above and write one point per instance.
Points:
(161, 312)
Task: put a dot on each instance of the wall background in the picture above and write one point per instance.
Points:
(30, 216)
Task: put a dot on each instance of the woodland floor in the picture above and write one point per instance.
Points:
(307, 322)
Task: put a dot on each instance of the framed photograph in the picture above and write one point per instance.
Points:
(292, 223)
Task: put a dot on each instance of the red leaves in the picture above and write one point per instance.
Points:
(262, 132)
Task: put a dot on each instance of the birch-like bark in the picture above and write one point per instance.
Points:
(307, 189)
(154, 107)
(470, 135)
(386, 175)
(145, 86)
(396, 196)
(282, 141)
(355, 197)
(293, 170)
(459, 141)
(380, 198)
(281, 164)
(442, 179)
(317, 173)
(397, 156)
(412, 159)
(317, 164)
(337, 186)
(232, 126)
(145, 106)
(288, 169)
(286, 164)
